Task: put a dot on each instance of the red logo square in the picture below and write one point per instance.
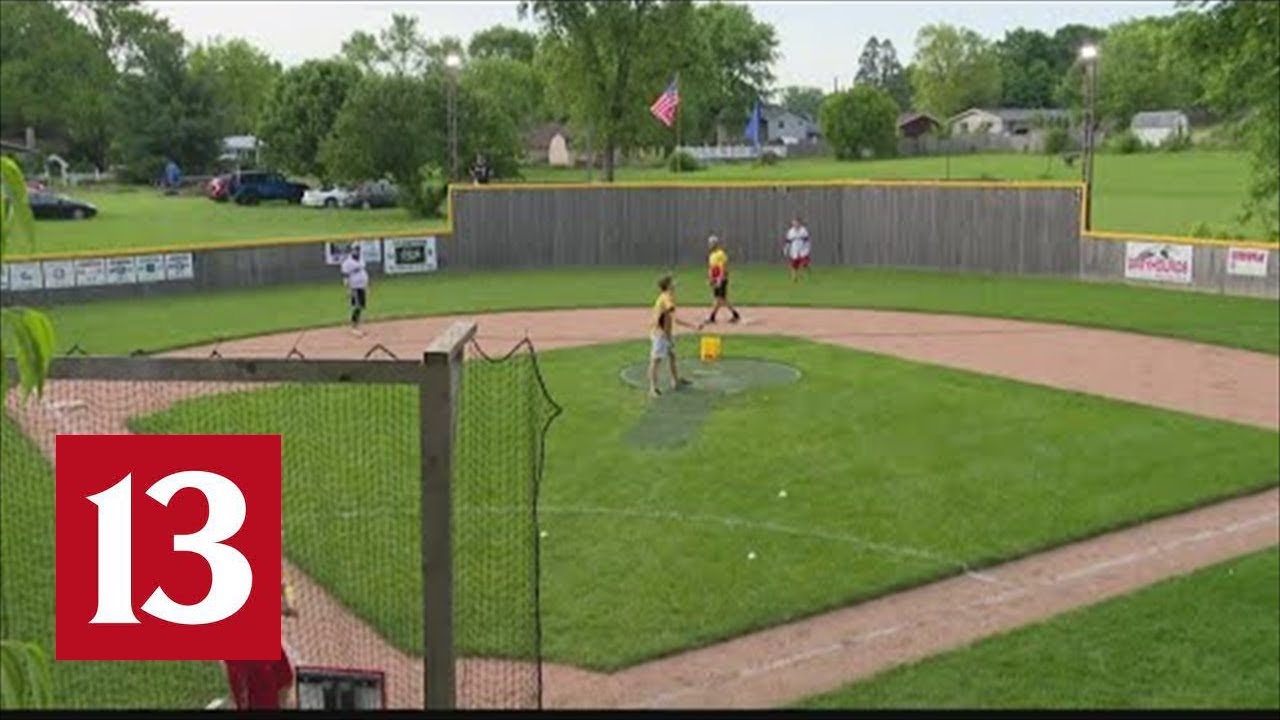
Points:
(167, 547)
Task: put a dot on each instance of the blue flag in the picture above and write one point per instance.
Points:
(753, 125)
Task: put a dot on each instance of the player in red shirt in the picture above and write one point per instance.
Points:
(263, 684)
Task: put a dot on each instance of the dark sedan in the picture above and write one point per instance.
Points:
(50, 206)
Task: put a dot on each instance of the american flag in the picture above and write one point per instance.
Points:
(664, 108)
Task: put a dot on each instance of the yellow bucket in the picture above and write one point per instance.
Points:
(709, 348)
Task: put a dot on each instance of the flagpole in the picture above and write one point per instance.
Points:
(679, 114)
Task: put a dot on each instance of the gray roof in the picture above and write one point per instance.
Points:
(1159, 119)
(773, 112)
(1021, 114)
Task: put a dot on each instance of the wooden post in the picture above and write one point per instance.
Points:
(439, 399)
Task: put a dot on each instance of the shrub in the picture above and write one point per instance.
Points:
(1176, 142)
(683, 161)
(1055, 140)
(1202, 230)
(1125, 143)
(861, 122)
(767, 158)
(424, 197)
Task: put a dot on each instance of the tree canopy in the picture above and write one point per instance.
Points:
(954, 69)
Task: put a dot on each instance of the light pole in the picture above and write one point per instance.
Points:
(1089, 56)
(452, 62)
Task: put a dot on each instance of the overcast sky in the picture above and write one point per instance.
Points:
(818, 41)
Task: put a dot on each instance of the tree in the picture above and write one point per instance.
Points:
(510, 87)
(802, 100)
(608, 60)
(725, 67)
(387, 126)
(860, 121)
(301, 110)
(1028, 69)
(163, 112)
(954, 69)
(504, 42)
(1236, 46)
(363, 51)
(55, 78)
(241, 76)
(878, 66)
(1142, 66)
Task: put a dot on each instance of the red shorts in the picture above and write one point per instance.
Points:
(800, 262)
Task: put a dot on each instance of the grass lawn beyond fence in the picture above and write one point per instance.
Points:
(1164, 193)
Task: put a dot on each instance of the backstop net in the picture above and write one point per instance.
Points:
(355, 537)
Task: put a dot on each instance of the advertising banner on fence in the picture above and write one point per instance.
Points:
(1158, 262)
(121, 271)
(4, 277)
(91, 272)
(150, 268)
(1249, 262)
(177, 266)
(59, 273)
(25, 276)
(336, 252)
(409, 255)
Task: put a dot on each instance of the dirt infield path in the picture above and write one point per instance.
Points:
(789, 662)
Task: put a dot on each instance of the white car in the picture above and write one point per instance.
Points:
(328, 197)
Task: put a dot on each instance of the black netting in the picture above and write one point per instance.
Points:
(352, 530)
(502, 420)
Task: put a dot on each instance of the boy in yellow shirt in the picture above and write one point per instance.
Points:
(662, 342)
(718, 277)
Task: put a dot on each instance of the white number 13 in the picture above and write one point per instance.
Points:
(232, 576)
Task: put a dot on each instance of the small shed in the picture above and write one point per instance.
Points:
(914, 125)
(1155, 127)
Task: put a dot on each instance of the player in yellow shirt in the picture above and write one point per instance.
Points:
(718, 277)
(662, 342)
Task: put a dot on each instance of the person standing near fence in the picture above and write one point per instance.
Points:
(356, 278)
(796, 248)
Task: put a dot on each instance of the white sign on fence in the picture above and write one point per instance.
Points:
(4, 277)
(149, 268)
(409, 255)
(59, 273)
(1247, 261)
(336, 252)
(177, 266)
(1159, 262)
(121, 271)
(91, 272)
(26, 276)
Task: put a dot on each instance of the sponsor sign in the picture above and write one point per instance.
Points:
(121, 271)
(1158, 262)
(91, 272)
(336, 252)
(409, 255)
(59, 273)
(25, 276)
(4, 277)
(178, 266)
(1249, 262)
(167, 547)
(149, 268)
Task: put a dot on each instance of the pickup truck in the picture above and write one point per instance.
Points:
(249, 188)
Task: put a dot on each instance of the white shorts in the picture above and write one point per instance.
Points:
(661, 346)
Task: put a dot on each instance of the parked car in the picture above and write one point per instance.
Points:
(51, 206)
(219, 188)
(374, 194)
(326, 197)
(253, 186)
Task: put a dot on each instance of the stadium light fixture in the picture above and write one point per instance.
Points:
(1089, 53)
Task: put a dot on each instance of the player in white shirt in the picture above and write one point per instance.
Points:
(357, 281)
(796, 248)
